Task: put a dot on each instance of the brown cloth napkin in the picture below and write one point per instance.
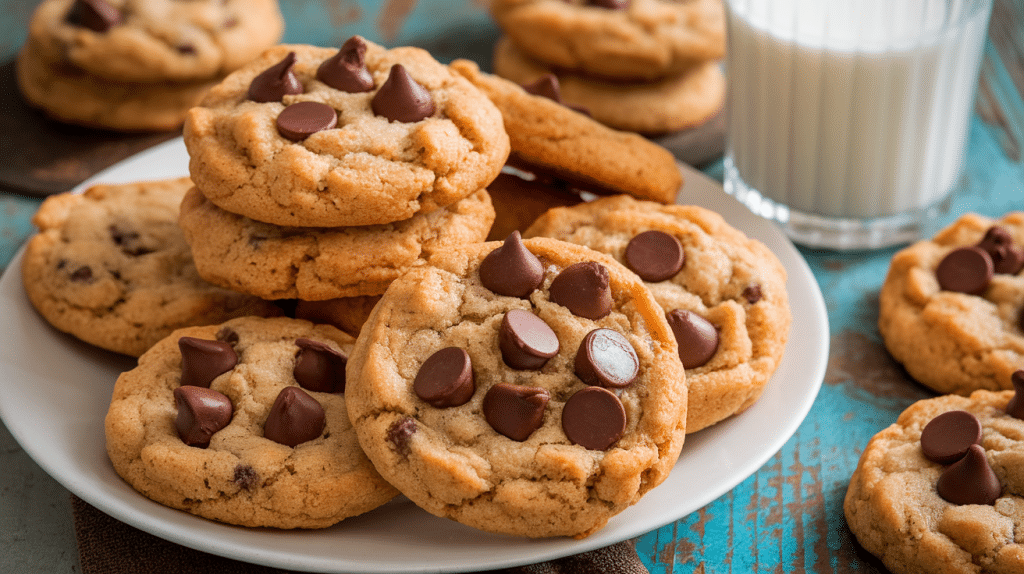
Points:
(108, 546)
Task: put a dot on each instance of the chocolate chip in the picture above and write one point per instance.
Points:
(609, 4)
(969, 480)
(346, 70)
(303, 119)
(202, 360)
(584, 289)
(1007, 258)
(246, 476)
(594, 418)
(82, 275)
(946, 438)
(511, 269)
(294, 418)
(752, 293)
(128, 241)
(996, 236)
(547, 86)
(276, 82)
(201, 413)
(526, 341)
(186, 49)
(445, 379)
(515, 411)
(696, 336)
(227, 335)
(654, 255)
(606, 358)
(401, 98)
(965, 270)
(400, 434)
(1015, 408)
(318, 367)
(96, 15)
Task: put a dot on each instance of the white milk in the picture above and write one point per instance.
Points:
(852, 109)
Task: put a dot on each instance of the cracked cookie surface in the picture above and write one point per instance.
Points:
(111, 267)
(242, 477)
(893, 507)
(721, 266)
(458, 461)
(368, 169)
(948, 340)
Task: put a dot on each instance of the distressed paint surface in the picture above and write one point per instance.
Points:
(787, 517)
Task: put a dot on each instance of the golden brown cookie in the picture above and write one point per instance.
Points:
(530, 388)
(244, 423)
(951, 307)
(724, 294)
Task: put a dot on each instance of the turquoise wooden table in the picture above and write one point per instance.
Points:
(787, 517)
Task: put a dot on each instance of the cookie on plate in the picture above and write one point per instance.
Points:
(111, 267)
(278, 262)
(951, 307)
(321, 137)
(942, 489)
(244, 423)
(526, 387)
(620, 39)
(723, 294)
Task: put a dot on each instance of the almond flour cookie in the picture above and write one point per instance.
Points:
(275, 262)
(942, 489)
(951, 307)
(620, 39)
(551, 137)
(329, 138)
(111, 267)
(527, 387)
(724, 294)
(244, 423)
(683, 100)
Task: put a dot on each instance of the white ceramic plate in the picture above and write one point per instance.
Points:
(55, 390)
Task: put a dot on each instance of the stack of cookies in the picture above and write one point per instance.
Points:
(137, 64)
(323, 174)
(648, 66)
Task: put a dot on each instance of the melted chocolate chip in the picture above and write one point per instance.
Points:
(965, 270)
(227, 335)
(128, 241)
(594, 418)
(606, 358)
(400, 434)
(294, 418)
(946, 438)
(202, 361)
(752, 293)
(970, 480)
(526, 341)
(445, 379)
(515, 411)
(303, 119)
(609, 4)
(584, 289)
(246, 477)
(319, 368)
(696, 336)
(654, 255)
(201, 413)
(1015, 408)
(276, 82)
(511, 269)
(401, 98)
(96, 15)
(346, 70)
(82, 275)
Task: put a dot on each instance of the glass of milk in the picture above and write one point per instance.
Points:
(847, 119)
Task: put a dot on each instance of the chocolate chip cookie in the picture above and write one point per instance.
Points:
(244, 423)
(951, 307)
(322, 137)
(111, 267)
(942, 489)
(528, 387)
(275, 262)
(723, 294)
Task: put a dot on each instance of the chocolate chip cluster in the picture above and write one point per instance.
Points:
(295, 417)
(593, 417)
(399, 99)
(970, 269)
